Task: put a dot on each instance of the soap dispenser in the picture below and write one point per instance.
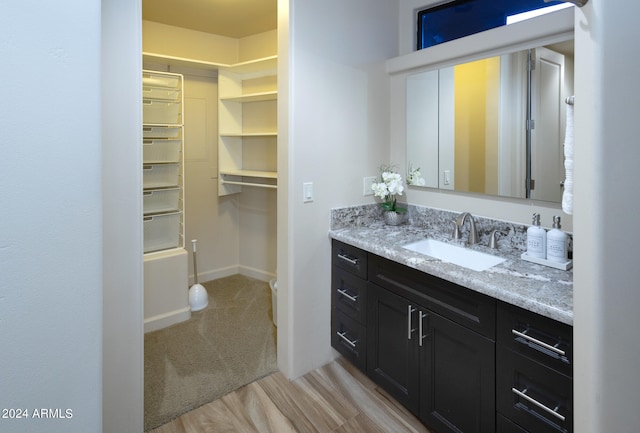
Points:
(536, 239)
(557, 242)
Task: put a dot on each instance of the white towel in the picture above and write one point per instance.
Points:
(567, 195)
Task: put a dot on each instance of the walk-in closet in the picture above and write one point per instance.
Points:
(209, 174)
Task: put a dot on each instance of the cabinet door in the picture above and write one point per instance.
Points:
(457, 378)
(392, 357)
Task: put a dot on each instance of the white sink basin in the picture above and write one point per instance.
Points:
(460, 256)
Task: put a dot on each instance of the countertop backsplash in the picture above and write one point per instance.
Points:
(510, 235)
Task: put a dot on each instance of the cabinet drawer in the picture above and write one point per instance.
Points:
(504, 425)
(161, 131)
(349, 294)
(161, 232)
(164, 80)
(349, 338)
(160, 175)
(160, 111)
(537, 337)
(349, 258)
(160, 151)
(160, 93)
(466, 307)
(535, 397)
(160, 200)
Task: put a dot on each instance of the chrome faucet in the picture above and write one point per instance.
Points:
(473, 234)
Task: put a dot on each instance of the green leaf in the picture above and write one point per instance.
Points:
(386, 205)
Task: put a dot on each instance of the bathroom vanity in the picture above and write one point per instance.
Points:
(464, 350)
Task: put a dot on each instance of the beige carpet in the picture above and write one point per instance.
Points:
(228, 344)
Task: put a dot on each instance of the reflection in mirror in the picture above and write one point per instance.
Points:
(467, 125)
(422, 125)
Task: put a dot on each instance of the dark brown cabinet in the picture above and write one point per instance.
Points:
(348, 303)
(392, 345)
(459, 360)
(442, 371)
(458, 379)
(534, 386)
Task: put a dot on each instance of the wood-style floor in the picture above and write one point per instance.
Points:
(335, 398)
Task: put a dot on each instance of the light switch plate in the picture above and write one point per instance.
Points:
(366, 185)
(307, 192)
(447, 177)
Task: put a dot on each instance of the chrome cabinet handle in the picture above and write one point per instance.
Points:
(537, 403)
(346, 340)
(538, 342)
(420, 333)
(348, 259)
(410, 311)
(347, 295)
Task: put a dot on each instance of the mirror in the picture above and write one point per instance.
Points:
(467, 123)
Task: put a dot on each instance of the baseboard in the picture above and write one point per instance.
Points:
(215, 274)
(167, 319)
(258, 274)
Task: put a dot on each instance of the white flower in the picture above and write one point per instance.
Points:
(414, 177)
(393, 182)
(380, 189)
(388, 188)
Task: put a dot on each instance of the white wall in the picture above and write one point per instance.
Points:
(407, 22)
(606, 275)
(122, 284)
(284, 306)
(257, 46)
(178, 42)
(51, 219)
(210, 219)
(336, 98)
(257, 208)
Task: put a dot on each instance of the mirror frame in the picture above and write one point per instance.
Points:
(543, 30)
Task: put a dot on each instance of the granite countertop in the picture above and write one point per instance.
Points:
(541, 289)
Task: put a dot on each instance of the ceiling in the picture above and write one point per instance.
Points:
(231, 18)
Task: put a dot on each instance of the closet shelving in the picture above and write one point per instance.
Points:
(163, 168)
(247, 106)
(261, 64)
(247, 142)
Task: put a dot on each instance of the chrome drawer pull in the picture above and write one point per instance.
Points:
(420, 333)
(348, 296)
(346, 340)
(410, 310)
(537, 403)
(538, 342)
(354, 262)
